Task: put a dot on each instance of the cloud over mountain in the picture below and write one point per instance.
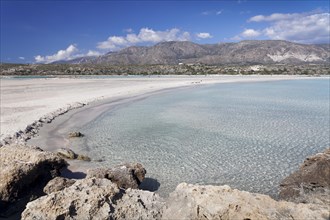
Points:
(60, 55)
(146, 35)
(297, 27)
(203, 35)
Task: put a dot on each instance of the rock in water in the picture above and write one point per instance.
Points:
(95, 198)
(221, 202)
(24, 171)
(128, 175)
(83, 157)
(313, 177)
(75, 134)
(58, 184)
(67, 153)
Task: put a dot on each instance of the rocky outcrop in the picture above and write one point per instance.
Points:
(107, 193)
(125, 176)
(24, 171)
(86, 199)
(310, 182)
(58, 184)
(95, 198)
(221, 202)
(138, 204)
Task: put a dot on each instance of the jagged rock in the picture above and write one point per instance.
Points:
(85, 199)
(125, 176)
(94, 198)
(312, 176)
(67, 153)
(221, 202)
(75, 134)
(139, 204)
(24, 171)
(57, 184)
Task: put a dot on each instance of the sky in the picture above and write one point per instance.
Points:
(45, 31)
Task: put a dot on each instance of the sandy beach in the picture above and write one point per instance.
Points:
(23, 101)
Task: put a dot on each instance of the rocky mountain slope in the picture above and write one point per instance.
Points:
(244, 52)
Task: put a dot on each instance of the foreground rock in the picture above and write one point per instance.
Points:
(221, 202)
(58, 184)
(108, 194)
(311, 183)
(95, 198)
(24, 171)
(125, 176)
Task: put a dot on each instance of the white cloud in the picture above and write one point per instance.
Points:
(132, 38)
(236, 38)
(128, 30)
(273, 17)
(250, 33)
(303, 27)
(146, 35)
(247, 34)
(206, 12)
(204, 35)
(21, 58)
(66, 54)
(93, 53)
(219, 12)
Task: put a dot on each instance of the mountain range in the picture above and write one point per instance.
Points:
(244, 52)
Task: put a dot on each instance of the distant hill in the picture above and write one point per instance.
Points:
(244, 52)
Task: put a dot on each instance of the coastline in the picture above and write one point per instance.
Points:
(314, 207)
(27, 104)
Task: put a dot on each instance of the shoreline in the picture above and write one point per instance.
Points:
(71, 122)
(20, 126)
(33, 129)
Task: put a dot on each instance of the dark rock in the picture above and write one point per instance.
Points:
(29, 128)
(313, 176)
(75, 134)
(125, 176)
(57, 184)
(24, 171)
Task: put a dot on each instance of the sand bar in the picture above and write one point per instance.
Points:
(24, 101)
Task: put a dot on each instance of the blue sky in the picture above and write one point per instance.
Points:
(46, 31)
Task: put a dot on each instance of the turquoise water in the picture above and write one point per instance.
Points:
(246, 135)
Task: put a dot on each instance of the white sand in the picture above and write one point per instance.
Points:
(25, 100)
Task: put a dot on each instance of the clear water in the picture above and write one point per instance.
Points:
(246, 135)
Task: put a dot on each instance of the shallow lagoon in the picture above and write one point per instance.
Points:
(246, 135)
